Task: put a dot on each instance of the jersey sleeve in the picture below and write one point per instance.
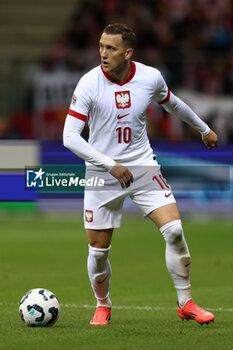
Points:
(181, 110)
(73, 140)
(80, 106)
(175, 106)
(162, 93)
(81, 100)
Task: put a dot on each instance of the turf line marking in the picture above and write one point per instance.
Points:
(144, 308)
(121, 307)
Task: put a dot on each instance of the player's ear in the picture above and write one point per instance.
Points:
(128, 53)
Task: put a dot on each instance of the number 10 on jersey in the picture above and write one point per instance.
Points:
(124, 134)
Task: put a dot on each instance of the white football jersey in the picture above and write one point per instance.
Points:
(116, 112)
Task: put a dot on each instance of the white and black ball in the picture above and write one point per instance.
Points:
(39, 307)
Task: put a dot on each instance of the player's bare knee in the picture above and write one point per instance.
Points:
(99, 239)
(95, 243)
(99, 244)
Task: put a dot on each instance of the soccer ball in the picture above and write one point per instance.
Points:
(39, 307)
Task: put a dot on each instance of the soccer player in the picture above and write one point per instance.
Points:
(114, 97)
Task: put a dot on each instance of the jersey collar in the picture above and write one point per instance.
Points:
(131, 75)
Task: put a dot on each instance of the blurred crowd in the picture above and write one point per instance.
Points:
(190, 41)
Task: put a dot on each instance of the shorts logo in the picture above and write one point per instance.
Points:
(122, 99)
(89, 215)
(167, 195)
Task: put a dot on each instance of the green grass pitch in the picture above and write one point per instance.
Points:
(40, 252)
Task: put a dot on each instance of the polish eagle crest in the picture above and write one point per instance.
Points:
(122, 99)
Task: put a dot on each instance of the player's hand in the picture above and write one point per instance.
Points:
(210, 140)
(122, 174)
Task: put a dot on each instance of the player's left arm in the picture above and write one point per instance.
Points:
(181, 110)
(175, 106)
(210, 140)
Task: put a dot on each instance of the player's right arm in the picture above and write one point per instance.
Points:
(80, 106)
(122, 174)
(73, 140)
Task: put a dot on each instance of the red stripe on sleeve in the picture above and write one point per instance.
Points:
(166, 99)
(77, 115)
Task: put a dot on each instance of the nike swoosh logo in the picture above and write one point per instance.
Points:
(100, 282)
(122, 116)
(167, 195)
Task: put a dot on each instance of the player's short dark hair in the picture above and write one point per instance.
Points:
(128, 35)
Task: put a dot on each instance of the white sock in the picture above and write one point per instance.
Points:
(99, 271)
(178, 259)
(183, 296)
(106, 302)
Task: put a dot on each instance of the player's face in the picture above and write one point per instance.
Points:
(114, 55)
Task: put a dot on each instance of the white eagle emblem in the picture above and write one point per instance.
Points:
(123, 99)
(89, 215)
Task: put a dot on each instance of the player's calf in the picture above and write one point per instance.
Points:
(178, 259)
(99, 271)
